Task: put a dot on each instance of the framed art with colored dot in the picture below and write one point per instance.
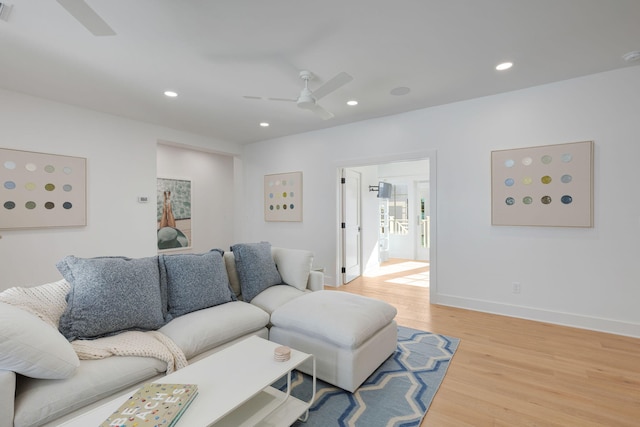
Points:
(42, 190)
(549, 185)
(283, 197)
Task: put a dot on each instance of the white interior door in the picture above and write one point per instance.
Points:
(351, 247)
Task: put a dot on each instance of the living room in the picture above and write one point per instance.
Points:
(581, 277)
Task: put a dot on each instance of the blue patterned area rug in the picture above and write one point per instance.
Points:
(397, 394)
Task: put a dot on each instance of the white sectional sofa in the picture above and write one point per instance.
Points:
(200, 302)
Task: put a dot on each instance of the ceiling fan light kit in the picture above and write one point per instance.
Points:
(306, 100)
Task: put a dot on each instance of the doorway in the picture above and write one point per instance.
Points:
(399, 227)
(408, 211)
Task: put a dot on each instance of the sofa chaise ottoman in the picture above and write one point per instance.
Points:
(349, 335)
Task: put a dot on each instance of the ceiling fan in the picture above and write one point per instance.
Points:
(307, 99)
(84, 14)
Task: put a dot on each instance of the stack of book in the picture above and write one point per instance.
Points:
(154, 405)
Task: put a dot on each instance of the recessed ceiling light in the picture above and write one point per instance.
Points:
(399, 91)
(170, 93)
(504, 66)
(352, 102)
(264, 124)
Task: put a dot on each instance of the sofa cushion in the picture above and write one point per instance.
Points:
(109, 295)
(194, 282)
(275, 296)
(41, 401)
(294, 266)
(346, 320)
(256, 268)
(230, 262)
(31, 347)
(205, 329)
(7, 395)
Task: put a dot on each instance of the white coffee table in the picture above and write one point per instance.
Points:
(234, 389)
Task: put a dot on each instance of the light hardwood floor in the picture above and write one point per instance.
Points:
(512, 372)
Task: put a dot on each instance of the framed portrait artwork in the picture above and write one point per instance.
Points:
(174, 214)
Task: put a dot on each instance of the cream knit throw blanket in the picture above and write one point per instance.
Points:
(48, 302)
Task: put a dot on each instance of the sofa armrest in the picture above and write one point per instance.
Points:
(316, 280)
(7, 397)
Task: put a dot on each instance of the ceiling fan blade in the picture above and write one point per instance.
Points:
(334, 84)
(321, 112)
(80, 10)
(282, 99)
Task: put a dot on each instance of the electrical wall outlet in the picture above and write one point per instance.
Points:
(516, 287)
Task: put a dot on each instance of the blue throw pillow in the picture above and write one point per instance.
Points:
(256, 268)
(109, 295)
(194, 282)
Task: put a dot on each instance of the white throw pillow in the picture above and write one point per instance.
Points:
(31, 347)
(294, 265)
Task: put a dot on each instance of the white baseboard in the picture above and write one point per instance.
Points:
(566, 319)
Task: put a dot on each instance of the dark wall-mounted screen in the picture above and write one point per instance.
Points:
(384, 190)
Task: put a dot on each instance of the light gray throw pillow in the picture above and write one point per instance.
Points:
(109, 295)
(256, 268)
(194, 282)
(31, 347)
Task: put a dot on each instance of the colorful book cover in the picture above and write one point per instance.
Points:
(153, 405)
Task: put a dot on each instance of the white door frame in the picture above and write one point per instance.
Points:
(431, 157)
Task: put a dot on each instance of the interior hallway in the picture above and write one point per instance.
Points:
(515, 372)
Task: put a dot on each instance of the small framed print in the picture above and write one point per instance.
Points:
(283, 197)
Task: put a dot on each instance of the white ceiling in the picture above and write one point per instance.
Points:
(213, 53)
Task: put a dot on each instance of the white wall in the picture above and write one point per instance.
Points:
(582, 277)
(578, 276)
(212, 196)
(121, 165)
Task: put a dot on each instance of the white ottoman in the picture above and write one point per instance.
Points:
(350, 335)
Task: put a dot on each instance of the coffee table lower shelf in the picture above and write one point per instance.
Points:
(270, 407)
